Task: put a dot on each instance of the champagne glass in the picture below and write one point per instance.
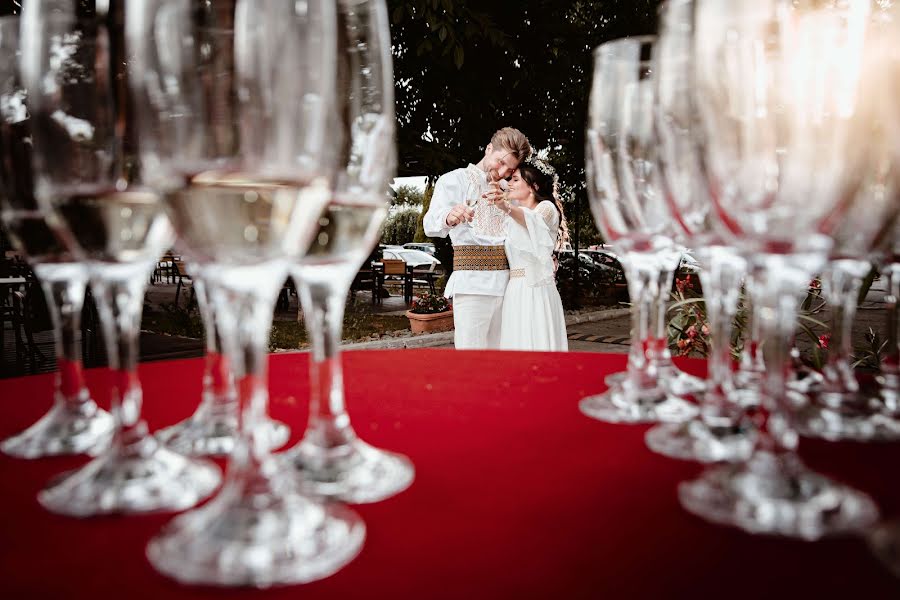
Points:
(331, 459)
(74, 64)
(721, 432)
(632, 216)
(473, 194)
(75, 424)
(783, 93)
(235, 131)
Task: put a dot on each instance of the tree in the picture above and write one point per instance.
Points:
(400, 227)
(406, 195)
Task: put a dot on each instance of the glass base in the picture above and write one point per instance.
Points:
(138, 478)
(676, 381)
(846, 417)
(258, 535)
(622, 404)
(215, 435)
(701, 442)
(885, 543)
(777, 496)
(354, 472)
(65, 429)
(748, 388)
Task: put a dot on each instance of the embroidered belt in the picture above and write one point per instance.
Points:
(479, 258)
(513, 273)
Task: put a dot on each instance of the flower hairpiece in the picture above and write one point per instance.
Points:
(541, 165)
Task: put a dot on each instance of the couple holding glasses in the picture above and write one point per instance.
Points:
(505, 220)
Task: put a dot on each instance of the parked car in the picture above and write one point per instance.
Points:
(419, 260)
(426, 247)
(593, 265)
(607, 258)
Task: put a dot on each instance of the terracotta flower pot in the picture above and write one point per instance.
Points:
(430, 323)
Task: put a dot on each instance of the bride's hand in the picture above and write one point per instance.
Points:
(495, 195)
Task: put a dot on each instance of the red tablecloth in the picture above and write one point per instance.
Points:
(517, 495)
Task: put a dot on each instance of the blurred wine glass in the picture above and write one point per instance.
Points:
(783, 93)
(74, 65)
(633, 217)
(74, 424)
(837, 408)
(331, 459)
(235, 130)
(721, 432)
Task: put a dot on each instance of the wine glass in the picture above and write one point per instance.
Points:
(632, 216)
(784, 94)
(836, 408)
(73, 60)
(235, 131)
(721, 432)
(75, 424)
(331, 459)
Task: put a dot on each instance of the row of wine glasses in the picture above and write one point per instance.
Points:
(758, 134)
(258, 138)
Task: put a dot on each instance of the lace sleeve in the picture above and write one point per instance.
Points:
(548, 212)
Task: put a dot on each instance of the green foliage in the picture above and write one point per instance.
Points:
(420, 226)
(400, 227)
(443, 250)
(463, 69)
(407, 196)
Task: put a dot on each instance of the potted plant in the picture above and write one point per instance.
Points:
(430, 313)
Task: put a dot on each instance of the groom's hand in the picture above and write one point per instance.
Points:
(459, 214)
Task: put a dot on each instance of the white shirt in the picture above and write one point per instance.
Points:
(449, 191)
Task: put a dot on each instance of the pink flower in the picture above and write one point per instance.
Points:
(824, 339)
(692, 331)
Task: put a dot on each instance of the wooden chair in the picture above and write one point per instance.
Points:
(181, 274)
(422, 279)
(395, 269)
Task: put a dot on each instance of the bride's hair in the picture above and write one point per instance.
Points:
(544, 187)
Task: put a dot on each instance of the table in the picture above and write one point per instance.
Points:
(517, 495)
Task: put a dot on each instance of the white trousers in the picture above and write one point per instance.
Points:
(477, 321)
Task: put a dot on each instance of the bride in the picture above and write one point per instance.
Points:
(532, 316)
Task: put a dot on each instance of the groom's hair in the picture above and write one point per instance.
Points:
(512, 140)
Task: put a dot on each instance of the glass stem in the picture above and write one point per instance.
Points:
(721, 283)
(779, 296)
(660, 347)
(219, 394)
(120, 303)
(751, 357)
(643, 274)
(323, 305)
(64, 289)
(841, 283)
(890, 364)
(244, 316)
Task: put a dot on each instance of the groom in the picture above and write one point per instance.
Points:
(480, 271)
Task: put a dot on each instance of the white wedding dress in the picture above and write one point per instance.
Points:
(533, 317)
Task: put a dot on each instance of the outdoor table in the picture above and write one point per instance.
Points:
(11, 281)
(517, 494)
